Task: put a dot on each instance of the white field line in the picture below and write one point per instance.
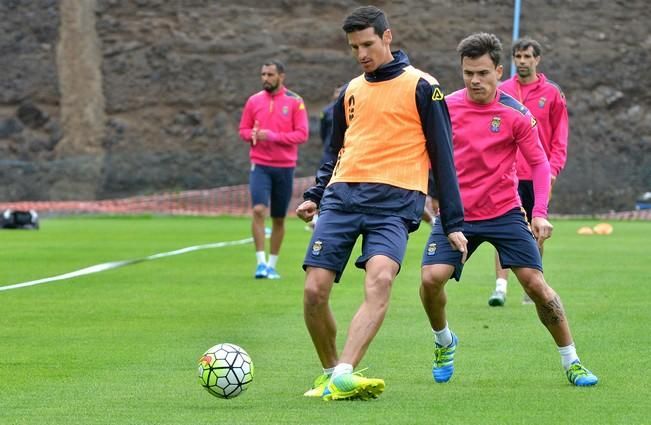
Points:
(115, 264)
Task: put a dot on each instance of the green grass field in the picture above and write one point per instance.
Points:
(121, 346)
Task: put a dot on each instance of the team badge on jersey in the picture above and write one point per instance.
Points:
(541, 102)
(431, 249)
(316, 248)
(285, 110)
(496, 122)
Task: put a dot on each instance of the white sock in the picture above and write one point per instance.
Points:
(260, 256)
(443, 337)
(342, 369)
(328, 371)
(500, 284)
(273, 259)
(568, 355)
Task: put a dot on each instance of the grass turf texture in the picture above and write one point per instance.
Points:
(121, 346)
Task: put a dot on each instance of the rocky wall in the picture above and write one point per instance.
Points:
(175, 75)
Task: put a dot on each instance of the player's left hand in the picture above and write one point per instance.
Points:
(542, 229)
(262, 134)
(459, 243)
(306, 210)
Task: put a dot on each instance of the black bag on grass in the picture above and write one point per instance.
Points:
(13, 219)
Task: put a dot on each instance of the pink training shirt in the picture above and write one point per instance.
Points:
(486, 138)
(284, 116)
(546, 102)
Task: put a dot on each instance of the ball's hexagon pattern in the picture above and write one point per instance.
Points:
(225, 370)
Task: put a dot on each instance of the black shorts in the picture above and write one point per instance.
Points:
(431, 186)
(525, 190)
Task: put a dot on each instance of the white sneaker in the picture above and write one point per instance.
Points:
(498, 299)
(526, 300)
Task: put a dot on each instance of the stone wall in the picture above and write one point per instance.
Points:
(175, 75)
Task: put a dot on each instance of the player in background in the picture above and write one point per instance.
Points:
(390, 123)
(488, 128)
(431, 203)
(274, 122)
(546, 102)
(325, 131)
(326, 127)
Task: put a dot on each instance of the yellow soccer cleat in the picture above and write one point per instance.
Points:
(318, 387)
(353, 386)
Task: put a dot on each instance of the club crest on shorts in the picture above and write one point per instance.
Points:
(495, 124)
(431, 249)
(317, 247)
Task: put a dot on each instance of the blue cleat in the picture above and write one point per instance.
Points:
(272, 273)
(578, 375)
(444, 361)
(261, 271)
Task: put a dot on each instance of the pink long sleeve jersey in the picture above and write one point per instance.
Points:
(547, 104)
(284, 116)
(486, 138)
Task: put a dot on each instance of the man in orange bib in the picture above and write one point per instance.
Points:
(389, 125)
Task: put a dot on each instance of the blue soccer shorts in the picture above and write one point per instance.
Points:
(337, 232)
(508, 233)
(271, 185)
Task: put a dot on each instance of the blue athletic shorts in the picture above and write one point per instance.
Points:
(337, 231)
(271, 185)
(525, 190)
(509, 234)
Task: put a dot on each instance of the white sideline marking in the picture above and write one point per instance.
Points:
(115, 264)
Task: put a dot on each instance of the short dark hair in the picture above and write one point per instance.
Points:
(280, 67)
(365, 17)
(524, 43)
(480, 43)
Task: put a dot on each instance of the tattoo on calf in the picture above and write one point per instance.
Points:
(552, 312)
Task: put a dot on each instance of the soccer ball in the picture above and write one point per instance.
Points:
(225, 370)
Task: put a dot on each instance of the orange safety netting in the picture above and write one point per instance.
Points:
(230, 200)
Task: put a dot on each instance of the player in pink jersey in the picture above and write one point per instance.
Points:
(488, 128)
(546, 102)
(274, 122)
